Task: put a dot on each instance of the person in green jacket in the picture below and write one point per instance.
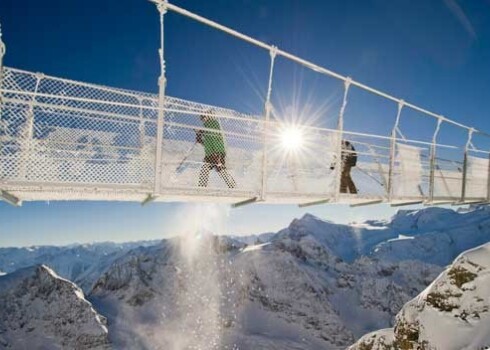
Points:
(214, 151)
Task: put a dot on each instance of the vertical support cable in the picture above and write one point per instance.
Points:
(465, 165)
(433, 150)
(141, 127)
(29, 133)
(162, 83)
(391, 170)
(29, 130)
(340, 130)
(267, 112)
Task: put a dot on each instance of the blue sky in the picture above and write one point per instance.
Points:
(434, 53)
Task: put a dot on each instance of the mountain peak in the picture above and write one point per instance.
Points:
(452, 313)
(47, 311)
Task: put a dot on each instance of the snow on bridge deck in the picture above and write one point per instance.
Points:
(66, 140)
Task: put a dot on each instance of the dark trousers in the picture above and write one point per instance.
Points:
(216, 161)
(346, 182)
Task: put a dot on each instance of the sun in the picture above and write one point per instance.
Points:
(292, 138)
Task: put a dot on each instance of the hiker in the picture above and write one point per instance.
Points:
(214, 151)
(349, 160)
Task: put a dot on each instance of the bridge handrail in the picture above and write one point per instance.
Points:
(150, 108)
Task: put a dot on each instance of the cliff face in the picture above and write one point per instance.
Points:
(453, 313)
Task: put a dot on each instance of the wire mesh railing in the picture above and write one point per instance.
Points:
(61, 139)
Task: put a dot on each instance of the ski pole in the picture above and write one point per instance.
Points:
(371, 176)
(189, 152)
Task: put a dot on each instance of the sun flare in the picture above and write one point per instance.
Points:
(291, 138)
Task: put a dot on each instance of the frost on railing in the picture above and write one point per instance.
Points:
(61, 139)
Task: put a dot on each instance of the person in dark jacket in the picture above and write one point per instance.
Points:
(214, 151)
(348, 160)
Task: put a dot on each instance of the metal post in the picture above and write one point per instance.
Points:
(465, 165)
(433, 150)
(340, 129)
(267, 111)
(393, 150)
(162, 83)
(2, 53)
(488, 180)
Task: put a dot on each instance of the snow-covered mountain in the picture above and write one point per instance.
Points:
(431, 235)
(222, 297)
(313, 285)
(453, 313)
(254, 239)
(441, 235)
(80, 263)
(39, 310)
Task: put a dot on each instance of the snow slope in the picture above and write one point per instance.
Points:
(39, 310)
(453, 313)
(441, 234)
(254, 239)
(313, 285)
(250, 299)
(292, 292)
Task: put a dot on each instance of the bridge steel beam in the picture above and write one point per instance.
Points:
(366, 203)
(244, 202)
(10, 198)
(402, 204)
(318, 202)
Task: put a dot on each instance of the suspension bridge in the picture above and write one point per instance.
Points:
(66, 140)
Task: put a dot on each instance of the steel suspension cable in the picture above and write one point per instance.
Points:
(308, 64)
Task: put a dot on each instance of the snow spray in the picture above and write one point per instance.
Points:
(198, 324)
